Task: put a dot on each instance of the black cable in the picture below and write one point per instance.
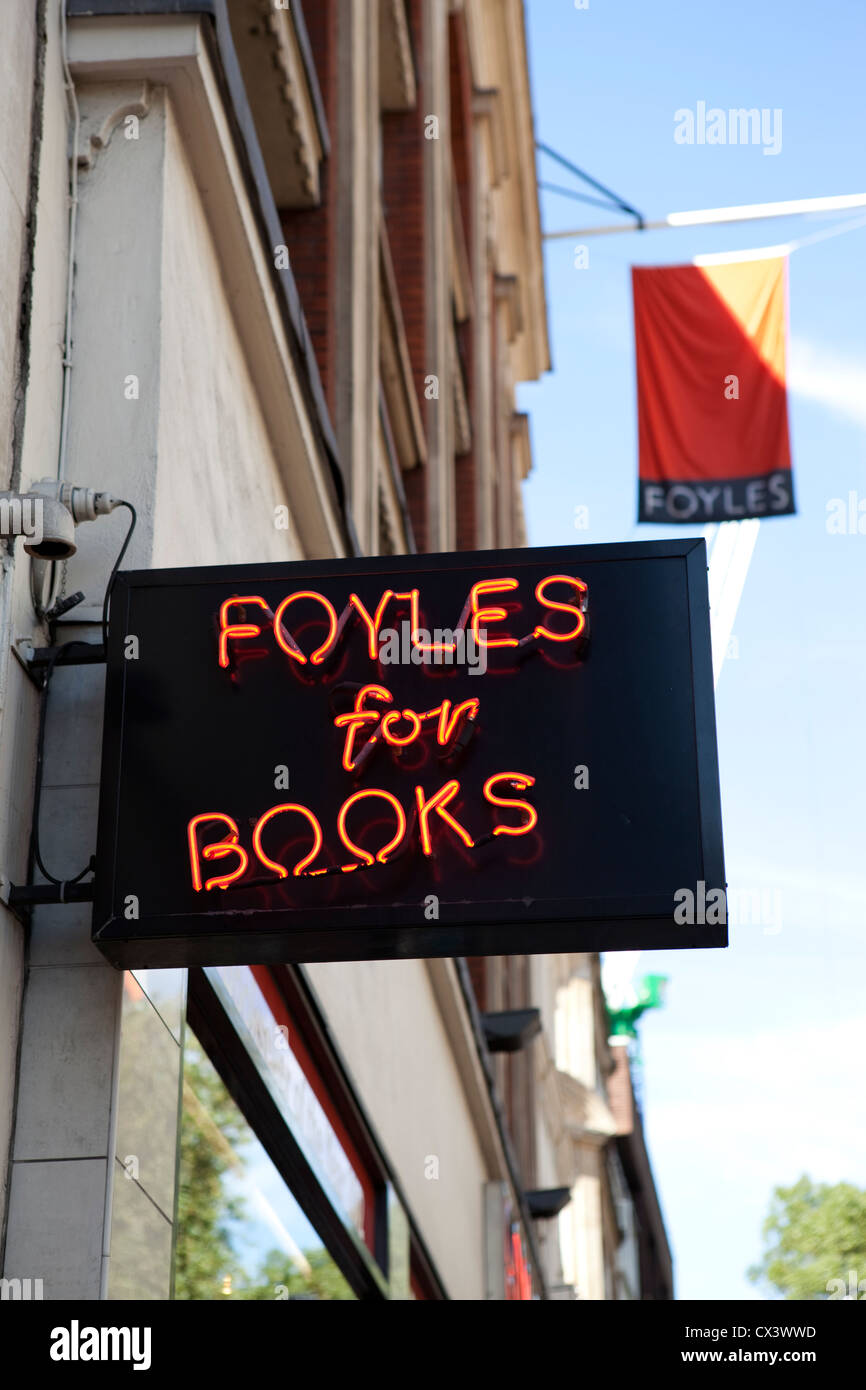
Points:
(111, 578)
(35, 850)
(594, 183)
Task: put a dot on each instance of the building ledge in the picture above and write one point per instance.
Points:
(587, 1115)
(464, 300)
(508, 294)
(192, 56)
(398, 89)
(273, 51)
(521, 443)
(398, 382)
(487, 108)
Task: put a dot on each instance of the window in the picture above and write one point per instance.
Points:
(240, 1232)
(283, 1191)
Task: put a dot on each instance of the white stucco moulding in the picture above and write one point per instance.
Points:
(171, 51)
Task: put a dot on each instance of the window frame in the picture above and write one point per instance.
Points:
(365, 1270)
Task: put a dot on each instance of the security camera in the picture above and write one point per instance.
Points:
(47, 515)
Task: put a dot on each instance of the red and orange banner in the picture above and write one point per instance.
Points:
(712, 401)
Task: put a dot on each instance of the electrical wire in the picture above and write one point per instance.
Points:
(72, 102)
(35, 849)
(55, 570)
(111, 578)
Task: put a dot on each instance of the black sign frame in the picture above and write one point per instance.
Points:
(382, 931)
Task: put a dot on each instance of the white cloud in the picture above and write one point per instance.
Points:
(819, 374)
(763, 1108)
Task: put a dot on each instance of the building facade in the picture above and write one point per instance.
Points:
(272, 275)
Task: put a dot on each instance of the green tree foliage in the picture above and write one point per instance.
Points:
(214, 1135)
(277, 1273)
(814, 1233)
(204, 1256)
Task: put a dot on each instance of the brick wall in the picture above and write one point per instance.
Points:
(465, 473)
(403, 155)
(461, 118)
(310, 233)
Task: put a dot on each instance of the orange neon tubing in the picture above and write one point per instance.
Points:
(521, 780)
(437, 803)
(302, 863)
(358, 718)
(348, 759)
(228, 630)
(448, 719)
(364, 854)
(416, 626)
(435, 646)
(218, 850)
(380, 692)
(318, 656)
(490, 615)
(414, 597)
(393, 717)
(353, 722)
(559, 607)
(374, 623)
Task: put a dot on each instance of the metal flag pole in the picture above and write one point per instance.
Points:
(730, 544)
(709, 217)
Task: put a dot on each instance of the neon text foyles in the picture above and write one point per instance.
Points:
(485, 622)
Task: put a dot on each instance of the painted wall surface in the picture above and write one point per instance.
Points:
(17, 699)
(92, 1178)
(18, 40)
(218, 484)
(165, 411)
(389, 1029)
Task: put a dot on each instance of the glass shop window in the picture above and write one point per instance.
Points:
(240, 1232)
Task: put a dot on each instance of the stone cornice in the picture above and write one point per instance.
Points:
(278, 84)
(397, 85)
(587, 1114)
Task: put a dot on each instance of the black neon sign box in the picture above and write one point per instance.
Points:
(479, 753)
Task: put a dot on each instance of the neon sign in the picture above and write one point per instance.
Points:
(284, 779)
(476, 612)
(393, 727)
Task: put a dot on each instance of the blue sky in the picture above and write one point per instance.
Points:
(753, 1070)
